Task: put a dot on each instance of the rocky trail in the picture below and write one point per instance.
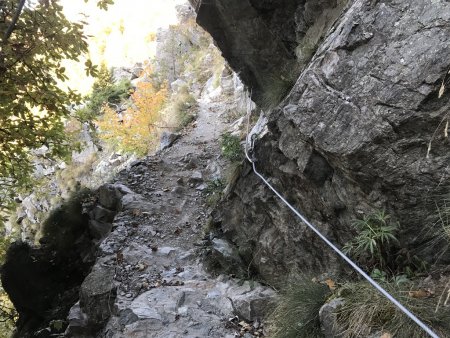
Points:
(149, 280)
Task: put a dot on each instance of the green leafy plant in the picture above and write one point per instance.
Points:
(373, 244)
(379, 275)
(382, 277)
(214, 186)
(400, 280)
(231, 147)
(214, 191)
(297, 312)
(104, 91)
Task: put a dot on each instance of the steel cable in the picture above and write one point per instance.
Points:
(252, 160)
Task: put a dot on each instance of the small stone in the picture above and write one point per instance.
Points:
(201, 187)
(196, 177)
(141, 266)
(178, 190)
(167, 139)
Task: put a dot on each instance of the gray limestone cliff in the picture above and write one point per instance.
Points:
(351, 137)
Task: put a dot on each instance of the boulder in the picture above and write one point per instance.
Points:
(78, 321)
(97, 295)
(99, 230)
(110, 195)
(224, 257)
(196, 177)
(253, 304)
(328, 322)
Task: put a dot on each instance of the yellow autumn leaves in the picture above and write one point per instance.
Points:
(134, 126)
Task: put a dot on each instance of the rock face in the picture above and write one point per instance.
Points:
(267, 42)
(352, 135)
(43, 282)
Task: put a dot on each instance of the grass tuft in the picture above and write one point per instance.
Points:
(181, 109)
(214, 191)
(366, 311)
(297, 313)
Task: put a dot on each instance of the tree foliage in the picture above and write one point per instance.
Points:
(35, 39)
(32, 105)
(104, 91)
(136, 130)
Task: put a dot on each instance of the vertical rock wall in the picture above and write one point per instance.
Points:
(352, 135)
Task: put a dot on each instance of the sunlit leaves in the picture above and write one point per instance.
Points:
(33, 106)
(135, 130)
(91, 69)
(103, 4)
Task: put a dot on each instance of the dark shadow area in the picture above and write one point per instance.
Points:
(43, 281)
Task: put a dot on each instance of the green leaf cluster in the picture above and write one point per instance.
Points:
(32, 104)
(35, 40)
(103, 4)
(104, 91)
(231, 147)
(373, 243)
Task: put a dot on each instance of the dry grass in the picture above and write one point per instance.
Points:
(437, 235)
(68, 178)
(444, 122)
(277, 87)
(180, 109)
(366, 311)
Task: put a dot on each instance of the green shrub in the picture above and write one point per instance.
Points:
(104, 91)
(366, 311)
(297, 313)
(372, 245)
(231, 147)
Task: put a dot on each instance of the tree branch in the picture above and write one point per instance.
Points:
(13, 22)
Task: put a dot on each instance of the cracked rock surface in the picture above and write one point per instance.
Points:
(349, 139)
